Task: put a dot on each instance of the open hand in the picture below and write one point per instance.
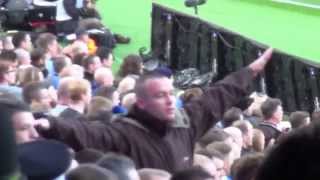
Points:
(258, 65)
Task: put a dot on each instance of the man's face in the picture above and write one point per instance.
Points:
(85, 38)
(39, 63)
(54, 48)
(159, 99)
(87, 3)
(45, 98)
(219, 166)
(10, 75)
(107, 62)
(95, 64)
(278, 114)
(25, 131)
(27, 44)
(207, 165)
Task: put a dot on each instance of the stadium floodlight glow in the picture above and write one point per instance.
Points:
(194, 4)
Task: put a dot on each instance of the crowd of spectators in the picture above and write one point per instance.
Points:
(74, 119)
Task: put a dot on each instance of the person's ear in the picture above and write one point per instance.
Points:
(140, 103)
(85, 97)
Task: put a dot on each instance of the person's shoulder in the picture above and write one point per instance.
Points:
(69, 113)
(14, 90)
(120, 121)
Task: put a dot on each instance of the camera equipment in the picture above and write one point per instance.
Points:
(194, 4)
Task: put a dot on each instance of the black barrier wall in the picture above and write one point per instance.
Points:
(182, 41)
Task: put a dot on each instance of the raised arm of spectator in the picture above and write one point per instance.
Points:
(209, 108)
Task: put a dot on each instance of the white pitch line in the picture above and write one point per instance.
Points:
(298, 3)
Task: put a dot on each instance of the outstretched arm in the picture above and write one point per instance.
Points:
(209, 108)
(79, 134)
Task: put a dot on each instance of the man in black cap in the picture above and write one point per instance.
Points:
(38, 159)
(43, 159)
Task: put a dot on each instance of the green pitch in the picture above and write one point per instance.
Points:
(129, 18)
(289, 28)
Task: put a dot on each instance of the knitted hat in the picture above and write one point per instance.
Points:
(43, 159)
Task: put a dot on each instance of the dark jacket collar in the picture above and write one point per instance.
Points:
(88, 76)
(148, 121)
(270, 124)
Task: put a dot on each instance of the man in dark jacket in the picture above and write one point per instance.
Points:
(272, 114)
(154, 133)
